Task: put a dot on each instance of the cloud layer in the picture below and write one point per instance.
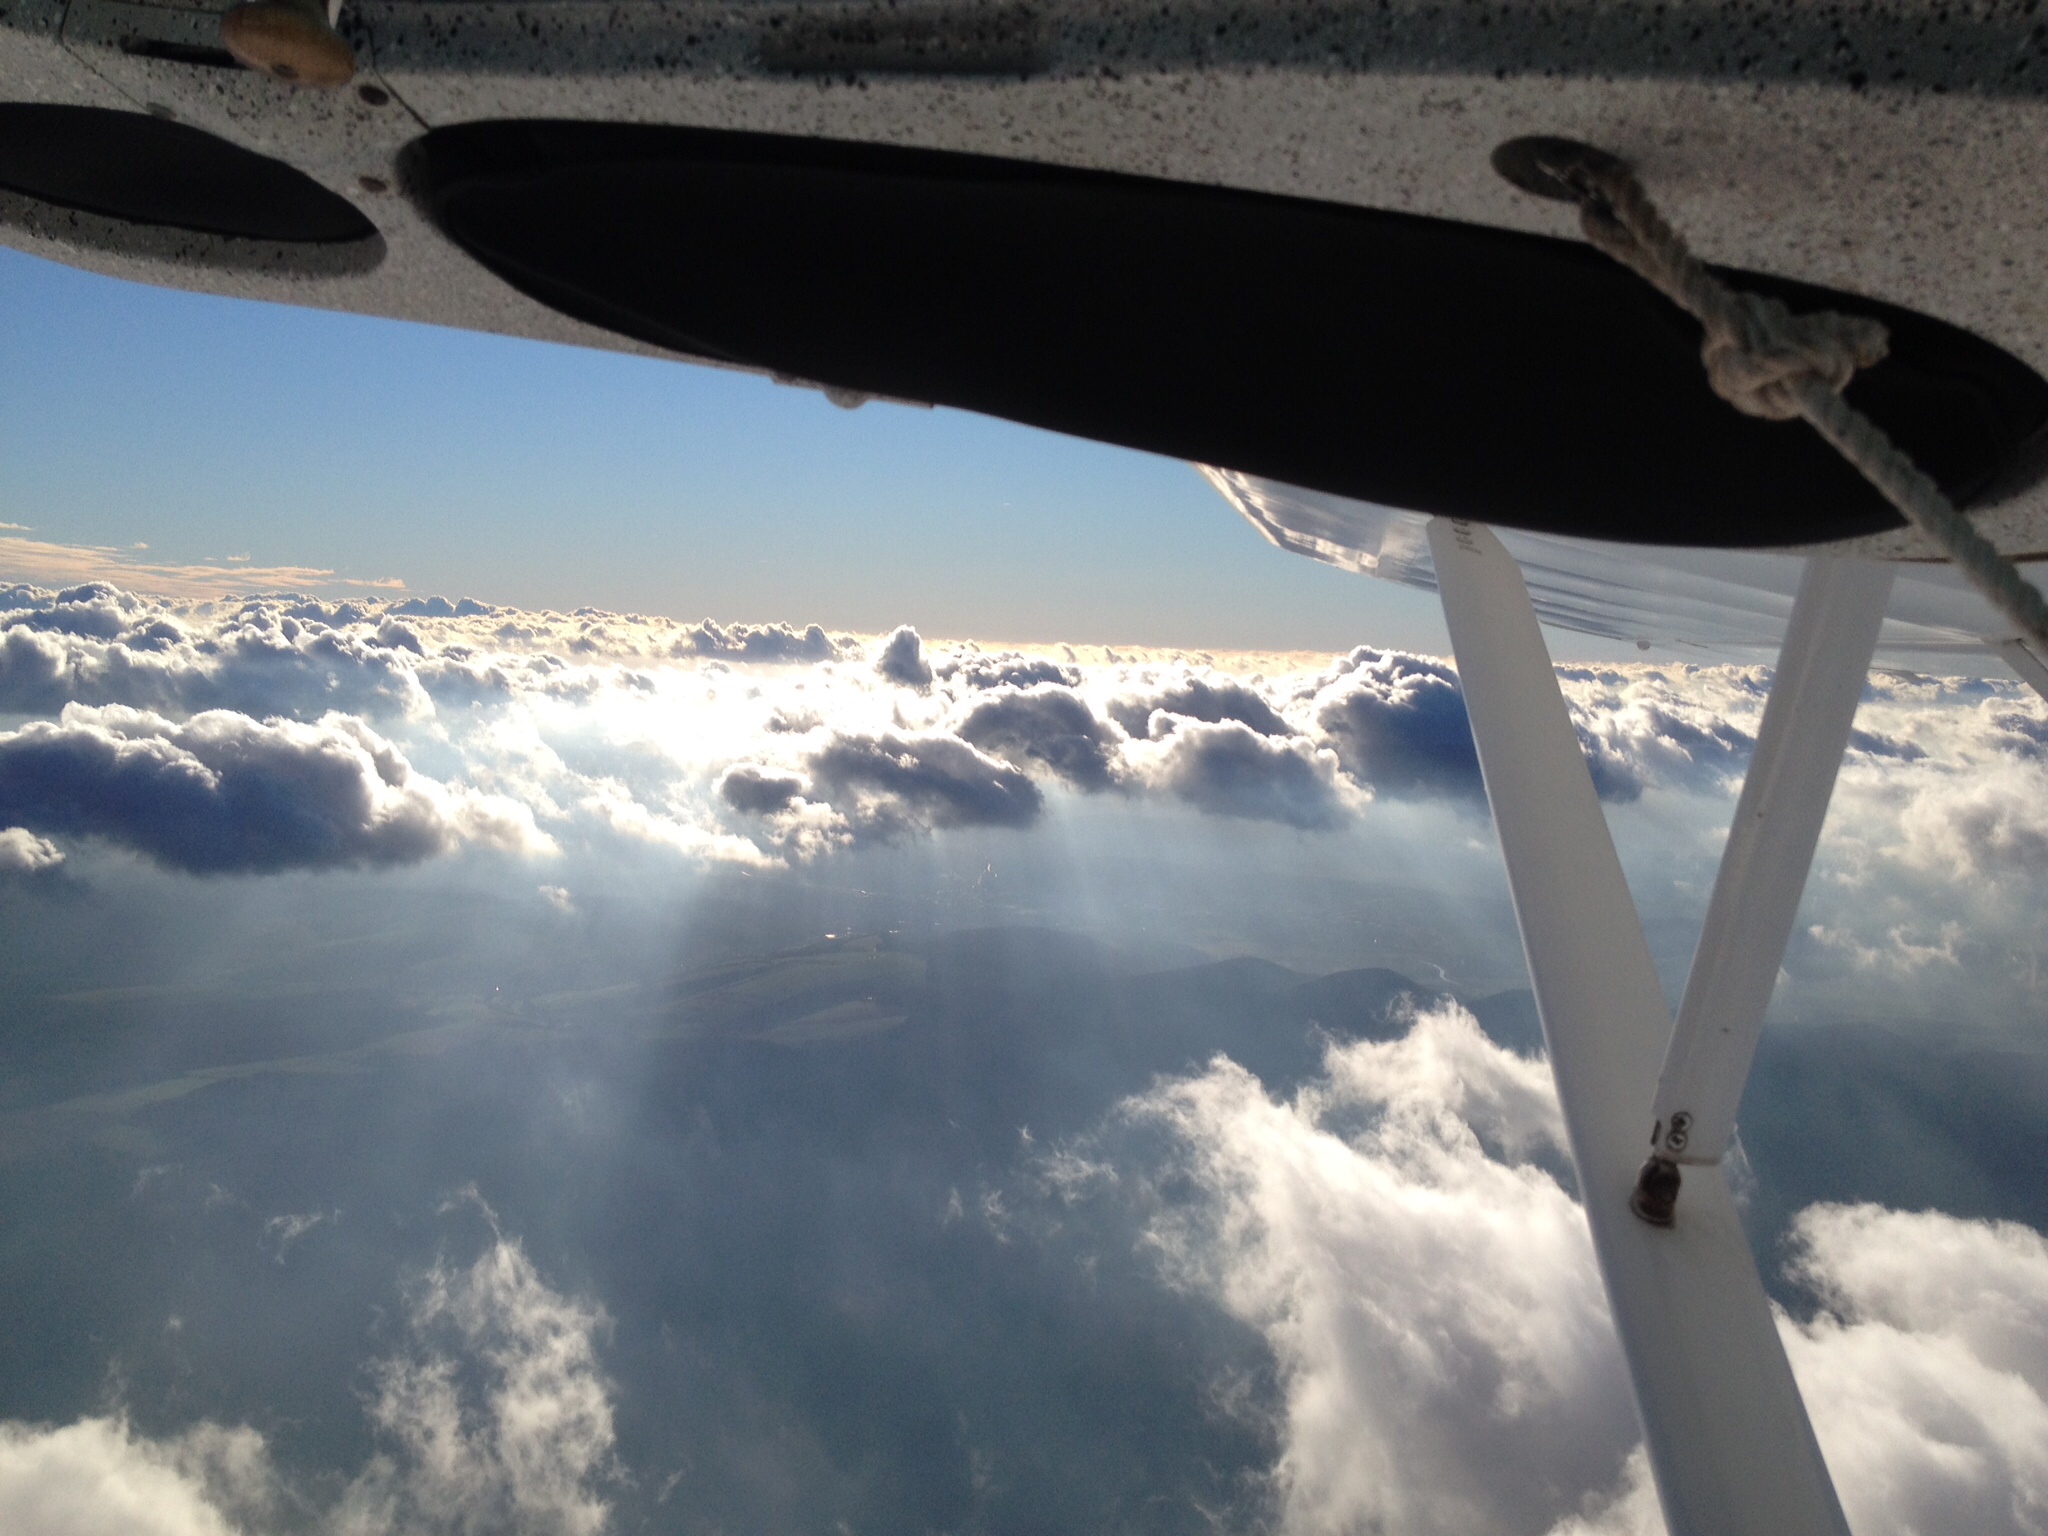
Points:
(278, 732)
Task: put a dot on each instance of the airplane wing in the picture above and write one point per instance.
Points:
(1707, 604)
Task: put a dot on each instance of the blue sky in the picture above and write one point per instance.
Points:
(548, 476)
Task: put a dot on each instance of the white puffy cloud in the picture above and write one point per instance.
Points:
(495, 1417)
(1006, 669)
(99, 1477)
(1990, 820)
(23, 853)
(1652, 726)
(1630, 1509)
(1926, 1368)
(100, 645)
(757, 642)
(1900, 954)
(1447, 1358)
(1445, 1355)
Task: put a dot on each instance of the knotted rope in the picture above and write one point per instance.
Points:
(1766, 361)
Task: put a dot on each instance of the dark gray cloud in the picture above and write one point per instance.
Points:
(1877, 744)
(902, 659)
(1201, 700)
(222, 792)
(1229, 769)
(1398, 723)
(1616, 776)
(889, 784)
(1049, 725)
(1008, 670)
(757, 642)
(757, 791)
(2022, 734)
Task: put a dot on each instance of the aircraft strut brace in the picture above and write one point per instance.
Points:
(1819, 682)
(1729, 1441)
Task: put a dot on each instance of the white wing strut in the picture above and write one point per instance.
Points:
(1728, 1435)
(1819, 682)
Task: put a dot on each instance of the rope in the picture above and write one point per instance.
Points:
(1766, 361)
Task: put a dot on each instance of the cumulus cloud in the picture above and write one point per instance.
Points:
(1447, 1360)
(495, 1416)
(1229, 769)
(99, 645)
(1007, 670)
(889, 784)
(1398, 723)
(1639, 730)
(1425, 1281)
(23, 853)
(901, 659)
(1990, 820)
(1926, 1368)
(222, 792)
(1203, 699)
(757, 791)
(98, 1477)
(1049, 725)
(1899, 954)
(2024, 734)
(758, 642)
(302, 657)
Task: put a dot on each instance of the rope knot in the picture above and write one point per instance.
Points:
(1756, 350)
(1759, 352)
(1766, 361)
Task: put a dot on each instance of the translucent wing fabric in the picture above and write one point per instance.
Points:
(1719, 603)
